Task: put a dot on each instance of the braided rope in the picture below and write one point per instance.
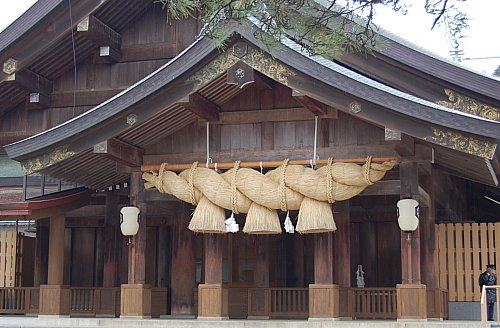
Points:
(282, 186)
(190, 182)
(234, 200)
(160, 185)
(329, 181)
(366, 170)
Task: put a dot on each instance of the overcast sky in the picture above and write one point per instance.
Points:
(482, 37)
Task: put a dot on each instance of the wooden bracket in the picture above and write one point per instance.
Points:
(200, 106)
(40, 88)
(119, 152)
(104, 36)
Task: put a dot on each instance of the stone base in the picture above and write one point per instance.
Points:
(55, 300)
(212, 301)
(411, 302)
(323, 301)
(135, 301)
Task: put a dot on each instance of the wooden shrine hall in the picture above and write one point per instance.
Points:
(258, 142)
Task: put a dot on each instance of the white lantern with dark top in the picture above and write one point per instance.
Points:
(408, 214)
(129, 221)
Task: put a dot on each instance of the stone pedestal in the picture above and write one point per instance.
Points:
(54, 300)
(135, 300)
(412, 302)
(212, 301)
(324, 301)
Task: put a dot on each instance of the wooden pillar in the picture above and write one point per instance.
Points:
(41, 252)
(342, 238)
(212, 297)
(411, 294)
(111, 241)
(183, 264)
(55, 296)
(323, 294)
(136, 295)
(261, 271)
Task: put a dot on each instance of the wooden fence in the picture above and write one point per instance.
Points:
(464, 249)
(8, 240)
(84, 301)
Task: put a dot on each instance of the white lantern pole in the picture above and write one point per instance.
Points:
(408, 217)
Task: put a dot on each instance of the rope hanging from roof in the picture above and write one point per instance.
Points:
(288, 187)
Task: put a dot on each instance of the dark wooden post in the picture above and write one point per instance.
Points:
(428, 248)
(136, 295)
(342, 238)
(111, 241)
(183, 264)
(212, 297)
(41, 252)
(411, 294)
(261, 271)
(342, 260)
(55, 296)
(323, 294)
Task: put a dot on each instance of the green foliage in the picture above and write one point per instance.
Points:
(321, 26)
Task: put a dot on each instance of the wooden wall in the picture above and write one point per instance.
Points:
(8, 248)
(464, 249)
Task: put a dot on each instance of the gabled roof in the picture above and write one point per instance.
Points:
(156, 96)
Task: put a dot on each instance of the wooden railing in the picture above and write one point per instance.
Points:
(278, 302)
(374, 303)
(83, 300)
(437, 303)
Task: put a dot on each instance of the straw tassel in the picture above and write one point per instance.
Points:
(262, 220)
(208, 218)
(315, 217)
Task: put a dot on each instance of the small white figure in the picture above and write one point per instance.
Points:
(360, 280)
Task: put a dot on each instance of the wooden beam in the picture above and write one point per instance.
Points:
(271, 115)
(120, 152)
(104, 36)
(271, 155)
(312, 105)
(384, 187)
(200, 106)
(39, 87)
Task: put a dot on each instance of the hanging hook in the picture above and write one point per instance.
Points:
(209, 160)
(315, 139)
(215, 168)
(261, 168)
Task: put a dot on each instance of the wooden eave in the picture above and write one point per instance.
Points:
(68, 144)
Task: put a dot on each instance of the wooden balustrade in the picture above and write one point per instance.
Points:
(288, 302)
(82, 301)
(437, 303)
(374, 303)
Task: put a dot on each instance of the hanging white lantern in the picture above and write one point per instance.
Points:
(129, 220)
(408, 214)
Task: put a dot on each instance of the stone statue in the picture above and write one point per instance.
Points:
(360, 280)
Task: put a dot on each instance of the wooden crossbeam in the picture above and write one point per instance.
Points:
(200, 106)
(119, 152)
(104, 36)
(271, 115)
